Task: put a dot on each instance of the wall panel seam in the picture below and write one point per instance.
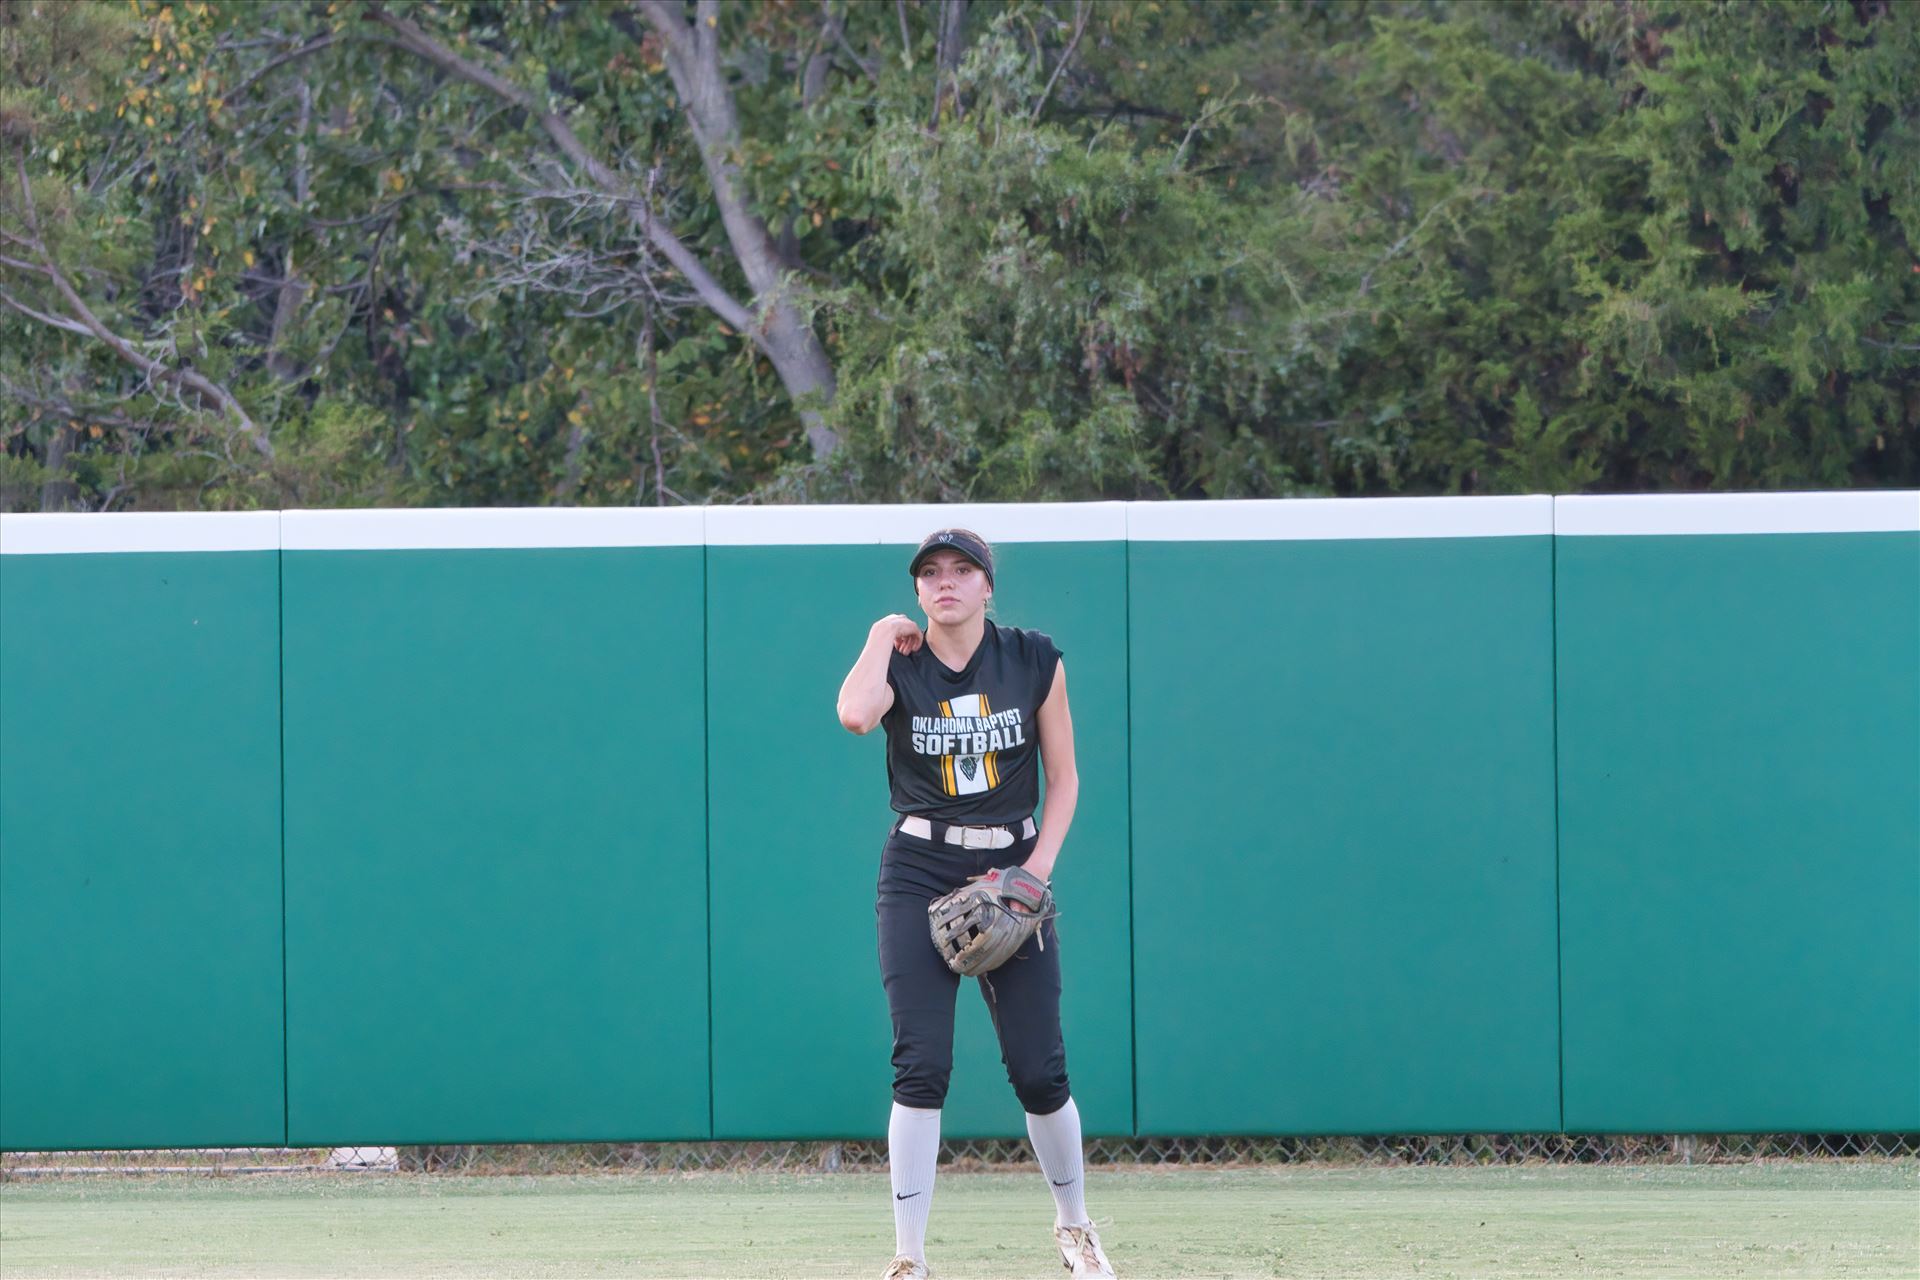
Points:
(280, 666)
(706, 791)
(1559, 932)
(1133, 994)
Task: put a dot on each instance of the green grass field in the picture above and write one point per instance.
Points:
(1812, 1219)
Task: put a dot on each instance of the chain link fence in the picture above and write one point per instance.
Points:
(983, 1154)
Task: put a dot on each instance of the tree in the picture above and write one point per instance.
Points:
(684, 251)
(111, 367)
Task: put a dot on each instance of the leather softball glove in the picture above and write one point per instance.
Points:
(980, 925)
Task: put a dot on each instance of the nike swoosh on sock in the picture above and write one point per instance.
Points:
(1067, 1183)
(910, 1195)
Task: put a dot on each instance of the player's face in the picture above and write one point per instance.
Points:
(951, 587)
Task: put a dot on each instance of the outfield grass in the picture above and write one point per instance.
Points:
(1814, 1219)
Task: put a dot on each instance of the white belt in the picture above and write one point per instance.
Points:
(969, 837)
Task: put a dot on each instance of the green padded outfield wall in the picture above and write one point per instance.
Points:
(1739, 700)
(1329, 734)
(496, 809)
(1343, 786)
(140, 997)
(801, 1034)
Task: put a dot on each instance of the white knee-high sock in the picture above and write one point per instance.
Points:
(913, 1153)
(1056, 1141)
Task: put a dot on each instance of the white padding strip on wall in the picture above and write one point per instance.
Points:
(908, 523)
(1262, 519)
(82, 532)
(905, 524)
(1885, 511)
(492, 528)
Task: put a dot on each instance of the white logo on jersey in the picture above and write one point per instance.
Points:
(968, 736)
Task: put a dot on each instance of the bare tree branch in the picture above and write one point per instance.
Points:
(866, 65)
(561, 243)
(1081, 10)
(60, 492)
(776, 325)
(906, 41)
(420, 44)
(92, 325)
(53, 403)
(46, 318)
(693, 60)
(653, 417)
(819, 63)
(19, 264)
(948, 49)
(314, 45)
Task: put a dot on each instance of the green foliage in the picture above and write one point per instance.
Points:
(1065, 313)
(1225, 250)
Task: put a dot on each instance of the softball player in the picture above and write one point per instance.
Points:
(972, 710)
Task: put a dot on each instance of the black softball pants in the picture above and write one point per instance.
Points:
(1022, 995)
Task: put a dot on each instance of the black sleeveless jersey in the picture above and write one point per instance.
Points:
(964, 746)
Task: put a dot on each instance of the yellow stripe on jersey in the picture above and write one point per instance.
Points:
(993, 766)
(946, 762)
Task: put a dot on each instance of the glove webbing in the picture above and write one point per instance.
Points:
(1039, 931)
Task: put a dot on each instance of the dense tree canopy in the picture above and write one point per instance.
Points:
(666, 251)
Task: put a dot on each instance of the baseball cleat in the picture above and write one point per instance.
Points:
(1080, 1251)
(906, 1267)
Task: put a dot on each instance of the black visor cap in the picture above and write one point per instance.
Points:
(954, 540)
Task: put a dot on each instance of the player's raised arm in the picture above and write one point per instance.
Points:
(865, 695)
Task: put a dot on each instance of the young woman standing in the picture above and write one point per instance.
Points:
(972, 711)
